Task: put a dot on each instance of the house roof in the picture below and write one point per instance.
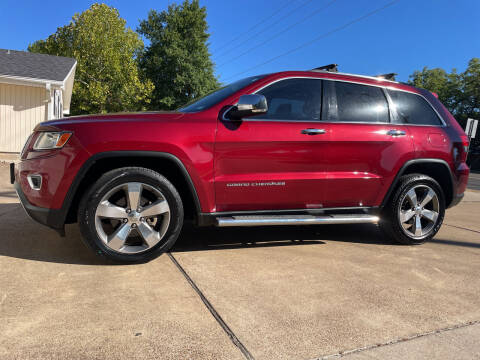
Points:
(35, 66)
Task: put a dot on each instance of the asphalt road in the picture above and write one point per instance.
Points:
(263, 293)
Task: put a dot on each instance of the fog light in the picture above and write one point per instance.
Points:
(35, 181)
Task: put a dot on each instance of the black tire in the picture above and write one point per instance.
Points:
(118, 177)
(390, 222)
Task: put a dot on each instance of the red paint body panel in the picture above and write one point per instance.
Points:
(350, 165)
(362, 162)
(138, 132)
(58, 169)
(268, 151)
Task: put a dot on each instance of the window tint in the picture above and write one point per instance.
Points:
(293, 99)
(354, 102)
(413, 109)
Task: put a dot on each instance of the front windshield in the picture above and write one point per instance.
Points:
(215, 97)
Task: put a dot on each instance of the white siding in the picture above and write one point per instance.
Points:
(21, 109)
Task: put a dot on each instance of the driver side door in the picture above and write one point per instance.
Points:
(274, 161)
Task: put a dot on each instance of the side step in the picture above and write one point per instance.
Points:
(269, 220)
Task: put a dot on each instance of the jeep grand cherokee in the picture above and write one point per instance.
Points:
(290, 148)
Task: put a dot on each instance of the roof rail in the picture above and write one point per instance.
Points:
(329, 67)
(389, 76)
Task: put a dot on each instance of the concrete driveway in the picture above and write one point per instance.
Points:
(276, 293)
(474, 181)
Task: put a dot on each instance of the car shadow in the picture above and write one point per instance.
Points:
(456, 243)
(23, 238)
(211, 238)
(201, 239)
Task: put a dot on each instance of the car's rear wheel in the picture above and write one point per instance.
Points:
(415, 212)
(131, 215)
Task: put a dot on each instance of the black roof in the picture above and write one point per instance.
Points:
(33, 65)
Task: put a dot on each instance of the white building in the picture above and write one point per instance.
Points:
(33, 88)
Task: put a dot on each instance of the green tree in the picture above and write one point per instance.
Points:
(470, 105)
(177, 60)
(107, 78)
(446, 86)
(460, 93)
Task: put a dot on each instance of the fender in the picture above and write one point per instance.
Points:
(412, 162)
(62, 213)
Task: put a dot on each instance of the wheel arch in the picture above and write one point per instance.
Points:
(437, 169)
(166, 164)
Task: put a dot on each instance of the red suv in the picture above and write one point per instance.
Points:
(290, 148)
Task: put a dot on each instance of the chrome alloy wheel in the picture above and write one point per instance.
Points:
(132, 218)
(418, 212)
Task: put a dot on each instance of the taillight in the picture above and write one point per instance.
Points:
(465, 145)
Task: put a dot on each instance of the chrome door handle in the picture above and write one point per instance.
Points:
(313, 131)
(396, 132)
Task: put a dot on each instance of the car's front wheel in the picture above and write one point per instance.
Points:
(131, 214)
(415, 212)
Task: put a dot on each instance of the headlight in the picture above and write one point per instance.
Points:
(51, 140)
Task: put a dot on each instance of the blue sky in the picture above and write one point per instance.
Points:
(404, 37)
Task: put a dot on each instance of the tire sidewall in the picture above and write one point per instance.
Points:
(393, 220)
(108, 181)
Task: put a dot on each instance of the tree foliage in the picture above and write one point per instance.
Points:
(177, 60)
(471, 90)
(107, 77)
(459, 92)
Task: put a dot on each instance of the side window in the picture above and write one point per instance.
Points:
(413, 109)
(293, 99)
(348, 102)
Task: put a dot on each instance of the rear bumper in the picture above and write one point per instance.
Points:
(462, 173)
(456, 200)
(50, 217)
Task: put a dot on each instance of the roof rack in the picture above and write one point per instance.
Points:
(329, 67)
(389, 76)
(334, 68)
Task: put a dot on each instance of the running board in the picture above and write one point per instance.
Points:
(269, 220)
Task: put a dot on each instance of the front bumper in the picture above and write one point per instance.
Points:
(50, 217)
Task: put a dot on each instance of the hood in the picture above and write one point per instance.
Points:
(116, 117)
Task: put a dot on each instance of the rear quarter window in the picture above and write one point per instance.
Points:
(413, 109)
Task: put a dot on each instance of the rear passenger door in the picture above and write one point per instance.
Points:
(423, 123)
(365, 149)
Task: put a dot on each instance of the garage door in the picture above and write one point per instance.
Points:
(21, 109)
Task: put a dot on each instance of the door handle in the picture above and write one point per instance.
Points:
(396, 132)
(313, 131)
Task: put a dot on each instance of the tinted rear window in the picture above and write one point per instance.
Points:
(413, 109)
(354, 103)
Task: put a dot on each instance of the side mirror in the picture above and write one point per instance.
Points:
(248, 105)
